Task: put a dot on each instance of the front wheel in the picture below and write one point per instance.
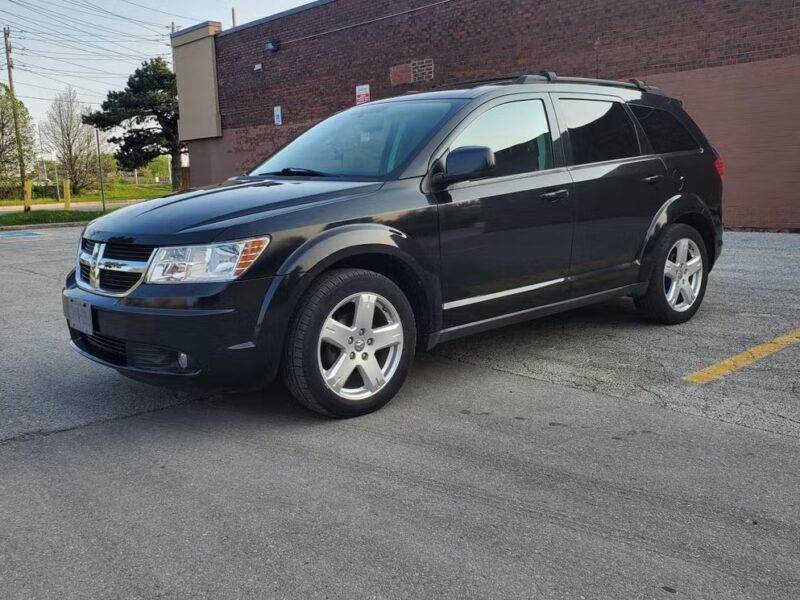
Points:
(678, 281)
(351, 343)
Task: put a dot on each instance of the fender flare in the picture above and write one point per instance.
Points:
(341, 243)
(335, 244)
(305, 263)
(673, 209)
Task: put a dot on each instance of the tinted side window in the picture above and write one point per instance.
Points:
(599, 130)
(518, 134)
(664, 131)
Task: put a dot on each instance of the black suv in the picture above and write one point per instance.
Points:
(402, 223)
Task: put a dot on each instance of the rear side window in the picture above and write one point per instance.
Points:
(598, 130)
(665, 132)
(516, 132)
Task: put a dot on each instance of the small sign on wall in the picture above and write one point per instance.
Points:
(362, 94)
(278, 116)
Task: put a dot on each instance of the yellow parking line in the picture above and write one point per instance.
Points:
(740, 361)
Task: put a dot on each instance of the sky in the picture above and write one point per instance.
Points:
(94, 45)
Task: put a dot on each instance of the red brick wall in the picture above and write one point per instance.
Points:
(323, 57)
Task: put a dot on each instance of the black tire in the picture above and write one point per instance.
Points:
(654, 305)
(301, 370)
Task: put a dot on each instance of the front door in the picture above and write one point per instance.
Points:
(506, 238)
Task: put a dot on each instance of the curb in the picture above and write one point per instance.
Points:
(41, 226)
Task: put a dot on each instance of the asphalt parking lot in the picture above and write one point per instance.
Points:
(563, 458)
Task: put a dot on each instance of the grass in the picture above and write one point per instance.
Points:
(37, 217)
(114, 191)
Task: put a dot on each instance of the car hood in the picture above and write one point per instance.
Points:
(212, 213)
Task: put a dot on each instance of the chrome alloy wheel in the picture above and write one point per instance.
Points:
(360, 346)
(683, 274)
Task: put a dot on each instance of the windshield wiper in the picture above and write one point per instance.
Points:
(289, 171)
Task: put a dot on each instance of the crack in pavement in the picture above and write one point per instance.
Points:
(39, 433)
(607, 393)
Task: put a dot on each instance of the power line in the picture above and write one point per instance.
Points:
(50, 31)
(78, 24)
(25, 51)
(67, 83)
(90, 70)
(86, 4)
(161, 11)
(57, 100)
(95, 13)
(45, 29)
(79, 33)
(43, 87)
(43, 36)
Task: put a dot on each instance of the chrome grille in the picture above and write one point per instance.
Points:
(111, 268)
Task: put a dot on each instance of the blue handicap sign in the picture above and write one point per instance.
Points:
(18, 234)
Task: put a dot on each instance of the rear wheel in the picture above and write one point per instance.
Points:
(678, 281)
(351, 344)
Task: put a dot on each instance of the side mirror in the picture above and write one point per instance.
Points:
(465, 163)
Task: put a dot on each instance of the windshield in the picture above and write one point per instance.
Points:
(369, 141)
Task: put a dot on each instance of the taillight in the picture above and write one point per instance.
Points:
(719, 166)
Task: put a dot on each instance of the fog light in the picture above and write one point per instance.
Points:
(183, 360)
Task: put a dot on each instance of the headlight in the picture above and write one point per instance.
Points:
(214, 262)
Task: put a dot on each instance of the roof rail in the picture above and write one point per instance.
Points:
(479, 82)
(547, 76)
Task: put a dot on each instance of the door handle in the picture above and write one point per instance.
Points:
(554, 195)
(653, 178)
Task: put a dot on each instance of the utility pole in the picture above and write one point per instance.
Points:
(10, 65)
(100, 167)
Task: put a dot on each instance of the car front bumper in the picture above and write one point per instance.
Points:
(218, 327)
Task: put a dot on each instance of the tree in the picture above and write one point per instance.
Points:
(72, 140)
(9, 162)
(148, 109)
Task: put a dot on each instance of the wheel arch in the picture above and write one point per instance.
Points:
(374, 247)
(688, 209)
(703, 225)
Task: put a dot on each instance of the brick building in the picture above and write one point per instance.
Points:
(734, 63)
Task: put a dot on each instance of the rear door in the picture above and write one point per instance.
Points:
(617, 192)
(506, 238)
(690, 166)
